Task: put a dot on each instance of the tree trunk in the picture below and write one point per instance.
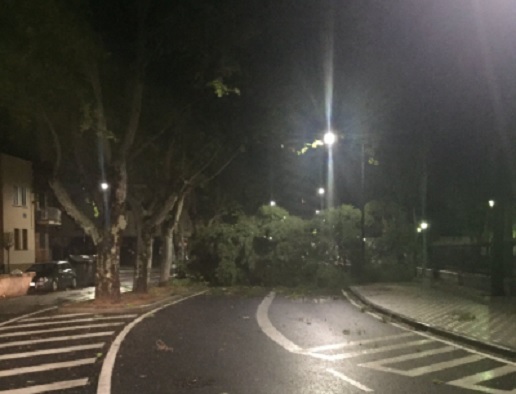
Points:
(168, 258)
(143, 262)
(107, 283)
(168, 233)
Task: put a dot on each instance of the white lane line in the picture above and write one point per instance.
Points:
(349, 380)
(342, 356)
(380, 365)
(53, 323)
(63, 316)
(439, 339)
(45, 367)
(43, 388)
(445, 365)
(26, 315)
(341, 345)
(472, 382)
(56, 339)
(104, 384)
(60, 329)
(51, 351)
(262, 316)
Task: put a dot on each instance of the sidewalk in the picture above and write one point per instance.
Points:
(490, 324)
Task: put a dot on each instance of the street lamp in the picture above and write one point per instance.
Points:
(423, 226)
(273, 203)
(491, 203)
(104, 185)
(329, 138)
(321, 191)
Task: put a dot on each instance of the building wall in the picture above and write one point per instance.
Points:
(18, 213)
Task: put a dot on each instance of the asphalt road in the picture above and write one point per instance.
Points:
(228, 344)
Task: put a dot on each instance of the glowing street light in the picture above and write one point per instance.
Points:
(273, 203)
(321, 191)
(423, 225)
(491, 203)
(104, 185)
(329, 138)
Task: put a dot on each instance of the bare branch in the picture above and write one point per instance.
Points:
(137, 98)
(57, 142)
(71, 209)
(100, 116)
(223, 167)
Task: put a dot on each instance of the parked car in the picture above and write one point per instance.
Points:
(84, 266)
(53, 276)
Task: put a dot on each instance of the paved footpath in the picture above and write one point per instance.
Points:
(489, 323)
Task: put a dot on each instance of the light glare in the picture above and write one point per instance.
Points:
(329, 138)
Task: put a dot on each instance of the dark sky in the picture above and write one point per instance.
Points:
(437, 73)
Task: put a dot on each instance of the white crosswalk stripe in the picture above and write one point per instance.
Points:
(42, 344)
(473, 382)
(456, 358)
(43, 388)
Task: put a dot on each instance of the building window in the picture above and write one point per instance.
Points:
(17, 239)
(20, 196)
(25, 239)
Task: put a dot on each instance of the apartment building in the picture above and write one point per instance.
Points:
(27, 222)
(17, 215)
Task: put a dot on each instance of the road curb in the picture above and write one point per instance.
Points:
(421, 326)
(119, 308)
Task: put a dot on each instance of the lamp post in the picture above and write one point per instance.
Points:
(329, 139)
(423, 226)
(321, 192)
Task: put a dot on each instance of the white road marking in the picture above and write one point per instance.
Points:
(51, 351)
(43, 388)
(26, 315)
(62, 316)
(472, 382)
(438, 366)
(53, 323)
(104, 384)
(380, 365)
(46, 367)
(342, 356)
(341, 345)
(438, 339)
(262, 317)
(56, 339)
(71, 328)
(349, 380)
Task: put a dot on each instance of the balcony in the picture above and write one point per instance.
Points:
(48, 216)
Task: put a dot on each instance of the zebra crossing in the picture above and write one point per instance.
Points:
(423, 355)
(55, 352)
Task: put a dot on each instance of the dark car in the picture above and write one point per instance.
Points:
(53, 276)
(84, 266)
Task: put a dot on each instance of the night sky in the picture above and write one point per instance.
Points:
(411, 78)
(437, 74)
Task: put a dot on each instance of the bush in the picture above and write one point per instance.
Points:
(331, 277)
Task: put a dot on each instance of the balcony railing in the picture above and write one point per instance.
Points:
(49, 216)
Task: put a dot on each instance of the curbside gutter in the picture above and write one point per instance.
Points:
(439, 331)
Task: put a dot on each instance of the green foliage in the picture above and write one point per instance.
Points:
(272, 249)
(221, 89)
